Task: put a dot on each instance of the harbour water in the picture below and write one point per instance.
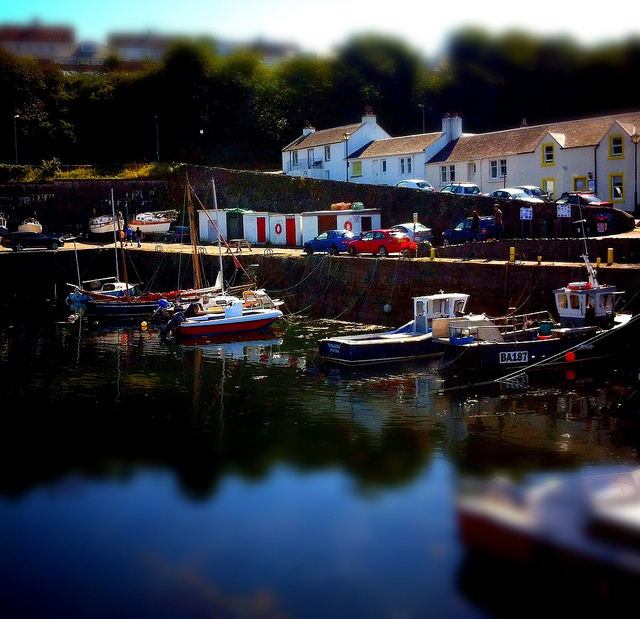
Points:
(246, 479)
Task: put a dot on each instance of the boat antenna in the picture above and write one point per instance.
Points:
(116, 223)
(590, 270)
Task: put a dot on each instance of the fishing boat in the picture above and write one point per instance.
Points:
(154, 223)
(589, 329)
(414, 340)
(30, 225)
(585, 522)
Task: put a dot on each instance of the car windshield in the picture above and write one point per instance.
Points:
(413, 227)
(423, 185)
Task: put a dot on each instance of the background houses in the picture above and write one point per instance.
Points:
(596, 155)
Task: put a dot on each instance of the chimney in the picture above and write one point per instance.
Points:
(308, 129)
(452, 127)
(368, 116)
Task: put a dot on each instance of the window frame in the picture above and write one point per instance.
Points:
(612, 197)
(356, 169)
(327, 153)
(618, 147)
(548, 161)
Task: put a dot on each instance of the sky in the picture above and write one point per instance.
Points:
(320, 26)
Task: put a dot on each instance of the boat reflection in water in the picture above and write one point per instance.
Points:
(198, 478)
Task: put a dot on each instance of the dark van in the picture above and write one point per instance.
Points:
(462, 232)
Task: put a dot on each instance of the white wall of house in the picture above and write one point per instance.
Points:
(387, 170)
(284, 229)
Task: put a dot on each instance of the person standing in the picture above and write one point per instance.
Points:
(129, 236)
(498, 219)
(475, 225)
(138, 236)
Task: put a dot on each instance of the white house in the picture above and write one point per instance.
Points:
(323, 154)
(594, 154)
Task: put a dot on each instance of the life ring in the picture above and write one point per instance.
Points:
(348, 226)
(278, 228)
(579, 285)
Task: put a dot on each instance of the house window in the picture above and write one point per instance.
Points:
(327, 153)
(498, 169)
(617, 187)
(310, 158)
(443, 173)
(548, 185)
(452, 173)
(616, 149)
(295, 158)
(548, 154)
(384, 166)
(408, 165)
(356, 168)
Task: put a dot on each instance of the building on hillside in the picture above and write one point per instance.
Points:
(324, 154)
(141, 46)
(597, 155)
(43, 43)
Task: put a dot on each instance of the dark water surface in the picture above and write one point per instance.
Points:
(142, 479)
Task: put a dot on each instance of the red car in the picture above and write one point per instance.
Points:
(382, 243)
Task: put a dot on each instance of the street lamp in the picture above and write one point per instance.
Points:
(422, 106)
(15, 134)
(346, 137)
(157, 141)
(635, 138)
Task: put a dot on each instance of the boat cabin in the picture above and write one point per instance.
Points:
(581, 305)
(585, 304)
(432, 307)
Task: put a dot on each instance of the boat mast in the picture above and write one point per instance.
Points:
(215, 205)
(192, 228)
(115, 236)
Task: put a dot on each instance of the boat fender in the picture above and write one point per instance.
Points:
(543, 337)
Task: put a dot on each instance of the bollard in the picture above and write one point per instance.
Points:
(512, 254)
(433, 253)
(598, 262)
(539, 259)
(610, 255)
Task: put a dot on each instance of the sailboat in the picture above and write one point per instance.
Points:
(254, 311)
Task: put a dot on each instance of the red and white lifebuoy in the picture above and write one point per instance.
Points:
(579, 285)
(348, 226)
(278, 228)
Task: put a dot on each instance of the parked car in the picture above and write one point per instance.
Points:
(513, 193)
(582, 199)
(418, 232)
(462, 189)
(331, 241)
(177, 234)
(20, 240)
(416, 183)
(462, 232)
(535, 192)
(383, 243)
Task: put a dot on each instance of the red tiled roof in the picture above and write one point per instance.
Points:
(322, 138)
(37, 34)
(397, 146)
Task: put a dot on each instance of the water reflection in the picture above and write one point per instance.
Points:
(244, 478)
